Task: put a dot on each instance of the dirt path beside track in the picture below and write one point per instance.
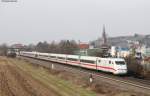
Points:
(15, 82)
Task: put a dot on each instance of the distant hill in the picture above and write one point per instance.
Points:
(123, 41)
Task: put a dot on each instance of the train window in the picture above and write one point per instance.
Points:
(109, 62)
(53, 56)
(43, 55)
(88, 61)
(72, 59)
(61, 58)
(99, 61)
(120, 62)
(36, 55)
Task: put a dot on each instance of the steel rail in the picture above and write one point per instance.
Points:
(97, 75)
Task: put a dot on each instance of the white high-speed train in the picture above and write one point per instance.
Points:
(113, 65)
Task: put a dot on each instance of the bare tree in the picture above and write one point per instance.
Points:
(30, 47)
(64, 47)
(42, 47)
(67, 47)
(3, 49)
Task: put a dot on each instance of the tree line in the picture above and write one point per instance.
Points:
(62, 47)
(3, 49)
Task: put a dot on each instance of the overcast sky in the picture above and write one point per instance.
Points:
(30, 21)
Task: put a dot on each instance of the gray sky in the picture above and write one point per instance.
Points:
(30, 21)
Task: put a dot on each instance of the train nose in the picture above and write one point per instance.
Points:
(121, 71)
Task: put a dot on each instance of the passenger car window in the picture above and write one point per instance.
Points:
(120, 62)
(109, 62)
(99, 61)
(88, 61)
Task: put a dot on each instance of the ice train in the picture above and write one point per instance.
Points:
(116, 66)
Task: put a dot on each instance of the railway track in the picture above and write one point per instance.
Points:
(139, 84)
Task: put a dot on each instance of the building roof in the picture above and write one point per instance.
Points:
(17, 46)
(84, 46)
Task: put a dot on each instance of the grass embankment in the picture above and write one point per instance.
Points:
(62, 87)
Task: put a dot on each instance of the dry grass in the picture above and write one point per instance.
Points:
(62, 87)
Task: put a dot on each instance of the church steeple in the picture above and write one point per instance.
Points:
(104, 46)
(104, 36)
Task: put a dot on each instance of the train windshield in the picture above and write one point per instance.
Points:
(120, 62)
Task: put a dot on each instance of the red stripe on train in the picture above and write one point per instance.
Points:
(93, 65)
(85, 64)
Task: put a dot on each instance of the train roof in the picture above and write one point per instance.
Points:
(73, 56)
(77, 56)
(114, 59)
(95, 58)
(43, 53)
(89, 58)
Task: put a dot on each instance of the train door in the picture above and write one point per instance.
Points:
(99, 64)
(96, 62)
(79, 59)
(110, 66)
(105, 66)
(66, 58)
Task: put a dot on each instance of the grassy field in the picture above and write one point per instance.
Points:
(55, 84)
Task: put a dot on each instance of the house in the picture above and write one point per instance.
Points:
(17, 47)
(119, 52)
(83, 49)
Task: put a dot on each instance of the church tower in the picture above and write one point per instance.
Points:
(104, 45)
(104, 36)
